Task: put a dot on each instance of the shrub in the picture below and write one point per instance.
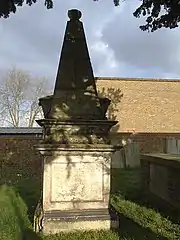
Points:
(13, 211)
(146, 218)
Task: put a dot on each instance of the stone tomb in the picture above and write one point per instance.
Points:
(75, 145)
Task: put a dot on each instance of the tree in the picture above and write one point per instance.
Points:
(19, 93)
(159, 13)
(9, 6)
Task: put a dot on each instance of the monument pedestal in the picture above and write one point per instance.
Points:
(76, 188)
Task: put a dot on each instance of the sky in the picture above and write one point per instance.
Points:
(32, 39)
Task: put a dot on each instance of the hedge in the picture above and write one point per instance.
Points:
(146, 218)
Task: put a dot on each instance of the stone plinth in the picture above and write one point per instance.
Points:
(76, 188)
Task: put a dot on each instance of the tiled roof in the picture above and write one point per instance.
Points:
(144, 106)
(137, 79)
(21, 130)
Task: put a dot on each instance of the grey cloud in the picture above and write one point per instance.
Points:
(153, 54)
(32, 38)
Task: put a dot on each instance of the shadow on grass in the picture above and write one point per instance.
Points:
(163, 207)
(131, 230)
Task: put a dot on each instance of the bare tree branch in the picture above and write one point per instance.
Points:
(19, 96)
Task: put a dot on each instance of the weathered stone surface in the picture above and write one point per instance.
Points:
(76, 145)
(75, 94)
(161, 177)
(73, 131)
(75, 70)
(77, 180)
(159, 174)
(94, 219)
(74, 105)
(81, 184)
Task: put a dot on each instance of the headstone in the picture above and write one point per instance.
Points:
(132, 154)
(172, 146)
(76, 145)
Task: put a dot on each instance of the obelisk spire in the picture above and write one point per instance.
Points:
(75, 95)
(75, 70)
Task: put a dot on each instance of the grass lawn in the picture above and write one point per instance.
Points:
(18, 201)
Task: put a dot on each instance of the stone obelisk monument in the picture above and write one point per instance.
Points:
(76, 147)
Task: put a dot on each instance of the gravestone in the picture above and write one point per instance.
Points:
(76, 145)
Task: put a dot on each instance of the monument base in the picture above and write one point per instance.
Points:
(76, 188)
(66, 221)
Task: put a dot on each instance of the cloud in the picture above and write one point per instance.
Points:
(150, 54)
(32, 39)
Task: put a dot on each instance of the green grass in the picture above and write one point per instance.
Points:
(127, 183)
(94, 235)
(18, 201)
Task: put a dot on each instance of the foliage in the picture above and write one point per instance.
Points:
(21, 167)
(159, 13)
(30, 195)
(19, 93)
(10, 6)
(13, 211)
(115, 95)
(146, 218)
(19, 160)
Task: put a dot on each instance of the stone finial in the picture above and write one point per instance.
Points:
(74, 14)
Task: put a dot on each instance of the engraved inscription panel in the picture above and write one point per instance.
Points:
(76, 182)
